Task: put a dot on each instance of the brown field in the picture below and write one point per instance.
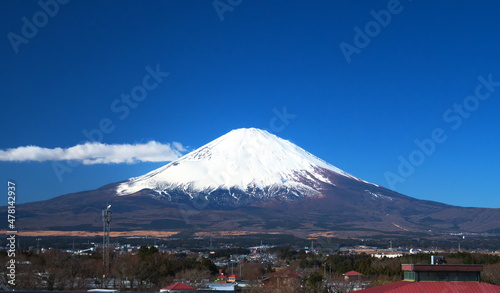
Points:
(322, 234)
(231, 233)
(139, 233)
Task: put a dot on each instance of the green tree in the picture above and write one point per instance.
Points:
(313, 283)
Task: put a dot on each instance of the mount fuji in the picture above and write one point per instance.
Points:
(251, 181)
(243, 164)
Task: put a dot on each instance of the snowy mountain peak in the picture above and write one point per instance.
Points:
(245, 159)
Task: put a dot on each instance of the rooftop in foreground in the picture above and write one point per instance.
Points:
(438, 278)
(433, 287)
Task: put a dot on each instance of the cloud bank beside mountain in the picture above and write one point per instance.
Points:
(97, 153)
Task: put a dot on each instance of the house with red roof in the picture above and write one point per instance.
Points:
(438, 278)
(352, 276)
(179, 288)
(221, 278)
(233, 278)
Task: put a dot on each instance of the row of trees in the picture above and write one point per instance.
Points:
(149, 270)
(385, 269)
(146, 270)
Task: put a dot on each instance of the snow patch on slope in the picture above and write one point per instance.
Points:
(378, 195)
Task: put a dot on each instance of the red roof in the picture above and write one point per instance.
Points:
(179, 286)
(433, 287)
(234, 276)
(352, 273)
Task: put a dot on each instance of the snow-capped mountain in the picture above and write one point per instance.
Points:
(247, 160)
(251, 181)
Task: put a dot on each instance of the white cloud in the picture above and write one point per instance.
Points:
(179, 146)
(97, 153)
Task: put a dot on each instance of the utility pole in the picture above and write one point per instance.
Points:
(106, 221)
(38, 245)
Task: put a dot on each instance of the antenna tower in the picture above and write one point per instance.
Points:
(106, 221)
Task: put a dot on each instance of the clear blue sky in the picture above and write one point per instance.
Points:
(358, 100)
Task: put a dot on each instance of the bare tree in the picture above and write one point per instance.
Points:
(491, 274)
(194, 276)
(124, 268)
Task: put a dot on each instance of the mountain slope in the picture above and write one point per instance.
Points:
(252, 181)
